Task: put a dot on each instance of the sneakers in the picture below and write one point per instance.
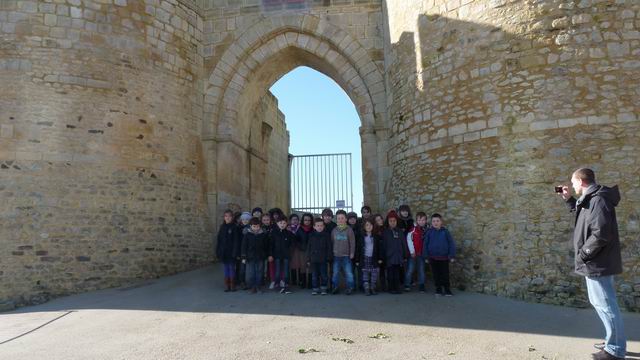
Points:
(438, 292)
(314, 292)
(335, 291)
(349, 291)
(407, 288)
(422, 288)
(323, 291)
(448, 293)
(287, 291)
(599, 346)
(603, 355)
(272, 285)
(367, 289)
(282, 284)
(373, 291)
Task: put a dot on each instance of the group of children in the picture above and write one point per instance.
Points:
(293, 247)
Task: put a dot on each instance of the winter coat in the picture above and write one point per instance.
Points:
(405, 224)
(328, 228)
(302, 238)
(255, 246)
(394, 246)
(415, 240)
(228, 246)
(360, 249)
(439, 244)
(319, 249)
(280, 243)
(595, 238)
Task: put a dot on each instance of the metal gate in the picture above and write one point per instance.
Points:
(321, 181)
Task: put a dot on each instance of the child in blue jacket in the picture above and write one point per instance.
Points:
(439, 249)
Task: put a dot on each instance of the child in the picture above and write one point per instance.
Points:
(394, 250)
(352, 221)
(378, 222)
(405, 221)
(439, 249)
(256, 212)
(228, 248)
(327, 217)
(302, 239)
(267, 227)
(243, 227)
(369, 257)
(415, 241)
(319, 254)
(281, 241)
(344, 246)
(254, 251)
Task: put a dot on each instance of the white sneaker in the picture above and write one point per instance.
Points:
(272, 285)
(282, 284)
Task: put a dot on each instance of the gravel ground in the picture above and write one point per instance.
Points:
(187, 316)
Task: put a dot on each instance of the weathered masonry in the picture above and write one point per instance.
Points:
(126, 126)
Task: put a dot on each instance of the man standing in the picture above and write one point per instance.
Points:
(597, 254)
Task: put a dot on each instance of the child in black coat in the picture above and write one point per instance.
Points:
(280, 244)
(254, 253)
(228, 249)
(319, 254)
(395, 251)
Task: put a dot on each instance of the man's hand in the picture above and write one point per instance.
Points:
(270, 258)
(244, 261)
(380, 262)
(413, 256)
(565, 193)
(452, 260)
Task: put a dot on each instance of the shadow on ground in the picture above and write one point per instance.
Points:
(200, 291)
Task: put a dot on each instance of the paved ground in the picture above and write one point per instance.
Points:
(187, 316)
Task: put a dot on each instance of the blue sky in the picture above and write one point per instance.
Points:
(321, 119)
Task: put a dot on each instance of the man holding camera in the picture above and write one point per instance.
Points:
(597, 253)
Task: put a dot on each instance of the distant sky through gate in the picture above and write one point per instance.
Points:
(321, 119)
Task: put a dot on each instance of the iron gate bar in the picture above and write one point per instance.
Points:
(319, 180)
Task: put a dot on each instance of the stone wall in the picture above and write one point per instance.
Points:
(494, 102)
(269, 159)
(101, 169)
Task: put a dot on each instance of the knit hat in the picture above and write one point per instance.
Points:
(392, 214)
(245, 216)
(257, 209)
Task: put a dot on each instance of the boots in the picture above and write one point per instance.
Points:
(367, 289)
(227, 286)
(232, 284)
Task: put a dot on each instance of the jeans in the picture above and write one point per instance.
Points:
(255, 272)
(602, 295)
(282, 270)
(229, 269)
(412, 264)
(319, 275)
(344, 263)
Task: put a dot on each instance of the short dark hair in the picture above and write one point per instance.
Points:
(294, 215)
(327, 212)
(254, 221)
(306, 215)
(586, 175)
(420, 214)
(265, 215)
(436, 215)
(366, 207)
(284, 218)
(318, 220)
(341, 212)
(228, 211)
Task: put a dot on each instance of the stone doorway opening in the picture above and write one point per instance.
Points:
(243, 76)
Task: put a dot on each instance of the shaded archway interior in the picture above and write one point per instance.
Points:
(246, 138)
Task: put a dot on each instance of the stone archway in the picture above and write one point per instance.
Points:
(259, 57)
